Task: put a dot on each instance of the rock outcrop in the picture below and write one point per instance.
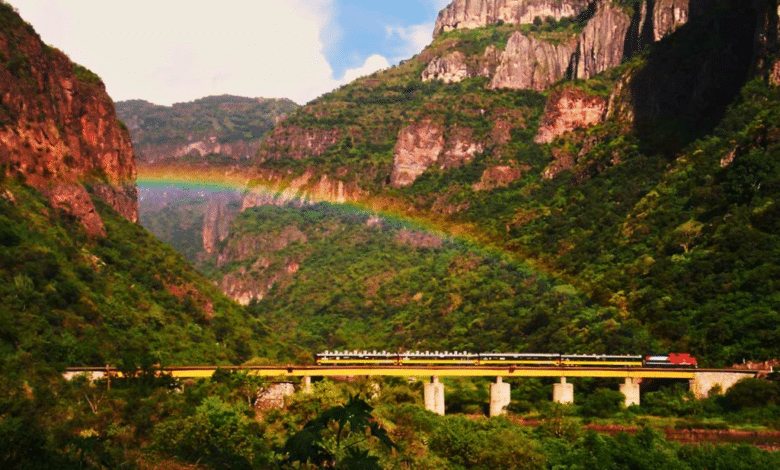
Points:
(451, 68)
(455, 67)
(569, 108)
(422, 145)
(253, 280)
(297, 143)
(668, 15)
(532, 64)
(217, 219)
(497, 176)
(478, 13)
(58, 128)
(418, 147)
(602, 42)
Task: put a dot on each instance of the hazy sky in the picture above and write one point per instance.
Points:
(167, 51)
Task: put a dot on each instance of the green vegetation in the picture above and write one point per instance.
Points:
(231, 118)
(150, 421)
(679, 240)
(71, 300)
(85, 75)
(393, 286)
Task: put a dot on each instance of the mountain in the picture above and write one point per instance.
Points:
(215, 132)
(628, 148)
(226, 128)
(58, 129)
(81, 283)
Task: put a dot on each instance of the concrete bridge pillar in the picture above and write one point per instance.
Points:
(563, 392)
(306, 384)
(631, 390)
(433, 393)
(499, 397)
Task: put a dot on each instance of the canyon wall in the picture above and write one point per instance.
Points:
(477, 13)
(59, 130)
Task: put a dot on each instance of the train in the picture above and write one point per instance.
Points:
(463, 358)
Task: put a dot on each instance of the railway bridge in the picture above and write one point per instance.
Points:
(701, 380)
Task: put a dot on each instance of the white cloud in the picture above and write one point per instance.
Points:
(168, 51)
(372, 64)
(415, 38)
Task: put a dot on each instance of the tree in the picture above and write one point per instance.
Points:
(753, 393)
(342, 451)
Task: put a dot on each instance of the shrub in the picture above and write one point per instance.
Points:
(752, 393)
(602, 403)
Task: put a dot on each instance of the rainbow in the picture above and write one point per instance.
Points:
(279, 189)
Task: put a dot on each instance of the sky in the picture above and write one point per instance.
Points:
(169, 51)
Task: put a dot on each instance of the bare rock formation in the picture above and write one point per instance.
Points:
(532, 64)
(58, 128)
(451, 68)
(569, 108)
(602, 42)
(456, 67)
(460, 148)
(217, 219)
(419, 146)
(478, 13)
(668, 15)
(423, 144)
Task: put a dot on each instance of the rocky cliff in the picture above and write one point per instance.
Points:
(58, 128)
(532, 64)
(549, 51)
(567, 109)
(477, 13)
(602, 42)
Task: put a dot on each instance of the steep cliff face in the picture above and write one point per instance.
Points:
(422, 145)
(601, 44)
(216, 221)
(477, 13)
(668, 15)
(419, 146)
(532, 64)
(456, 66)
(567, 109)
(58, 128)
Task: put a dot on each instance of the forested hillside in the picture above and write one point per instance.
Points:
(659, 208)
(81, 282)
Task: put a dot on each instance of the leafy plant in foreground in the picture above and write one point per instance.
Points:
(341, 451)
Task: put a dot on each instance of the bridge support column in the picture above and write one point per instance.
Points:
(499, 397)
(563, 392)
(631, 390)
(433, 393)
(306, 384)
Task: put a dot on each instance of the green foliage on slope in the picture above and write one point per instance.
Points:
(230, 118)
(371, 112)
(680, 238)
(392, 286)
(71, 300)
(689, 246)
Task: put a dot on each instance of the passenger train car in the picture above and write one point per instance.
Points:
(462, 358)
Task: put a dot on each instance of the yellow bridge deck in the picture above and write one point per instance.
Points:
(421, 371)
